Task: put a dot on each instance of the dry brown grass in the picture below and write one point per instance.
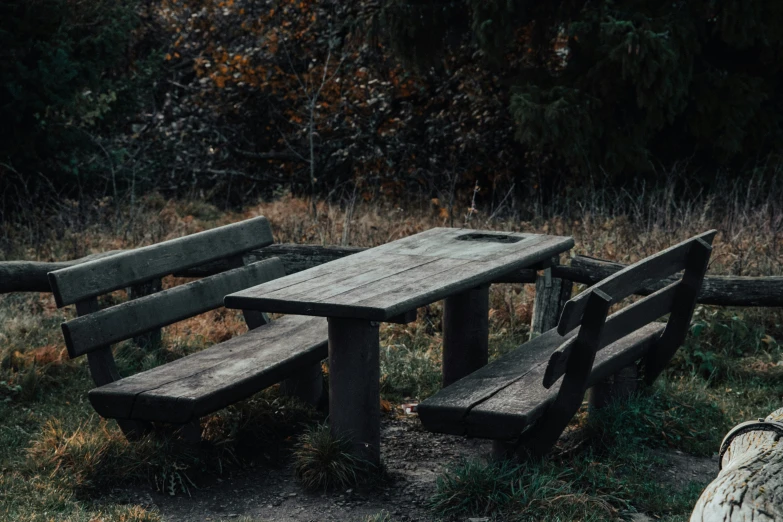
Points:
(63, 459)
(749, 242)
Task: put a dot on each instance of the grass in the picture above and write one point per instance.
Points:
(57, 459)
(325, 462)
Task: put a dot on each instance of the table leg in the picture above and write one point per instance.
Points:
(465, 333)
(354, 385)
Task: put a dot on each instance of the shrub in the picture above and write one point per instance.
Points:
(67, 69)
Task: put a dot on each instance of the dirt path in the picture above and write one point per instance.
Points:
(413, 458)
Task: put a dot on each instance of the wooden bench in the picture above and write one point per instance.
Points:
(526, 398)
(180, 392)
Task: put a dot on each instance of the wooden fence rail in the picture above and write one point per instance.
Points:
(30, 276)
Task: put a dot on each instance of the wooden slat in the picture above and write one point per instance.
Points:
(507, 413)
(715, 290)
(198, 384)
(682, 310)
(393, 279)
(445, 411)
(627, 281)
(107, 274)
(577, 374)
(618, 325)
(105, 327)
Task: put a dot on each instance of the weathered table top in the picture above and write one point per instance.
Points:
(392, 279)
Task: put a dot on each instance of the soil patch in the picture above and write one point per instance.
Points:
(413, 458)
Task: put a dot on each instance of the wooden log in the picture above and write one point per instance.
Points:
(750, 483)
(354, 385)
(30, 276)
(295, 258)
(465, 333)
(715, 290)
(627, 281)
(552, 293)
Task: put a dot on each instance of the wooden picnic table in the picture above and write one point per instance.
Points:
(387, 284)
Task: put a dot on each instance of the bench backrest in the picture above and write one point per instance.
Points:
(102, 276)
(589, 310)
(96, 329)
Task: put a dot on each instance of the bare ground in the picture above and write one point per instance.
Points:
(412, 456)
(413, 459)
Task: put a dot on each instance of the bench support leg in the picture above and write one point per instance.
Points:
(307, 385)
(149, 340)
(616, 387)
(103, 370)
(354, 385)
(465, 333)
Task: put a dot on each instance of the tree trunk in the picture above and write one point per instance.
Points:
(750, 485)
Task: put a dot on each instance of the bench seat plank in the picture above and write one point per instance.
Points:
(501, 399)
(193, 386)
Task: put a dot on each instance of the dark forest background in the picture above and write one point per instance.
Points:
(233, 100)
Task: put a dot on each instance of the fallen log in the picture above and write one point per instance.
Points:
(750, 483)
(30, 276)
(715, 290)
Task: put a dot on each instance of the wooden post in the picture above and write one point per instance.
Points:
(750, 483)
(465, 333)
(151, 339)
(103, 370)
(540, 439)
(552, 294)
(681, 313)
(354, 385)
(615, 387)
(307, 384)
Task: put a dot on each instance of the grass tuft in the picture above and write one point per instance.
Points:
(527, 491)
(324, 462)
(94, 457)
(676, 418)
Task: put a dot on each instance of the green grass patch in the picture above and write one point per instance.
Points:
(325, 462)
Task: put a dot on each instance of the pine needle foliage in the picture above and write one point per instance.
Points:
(621, 86)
